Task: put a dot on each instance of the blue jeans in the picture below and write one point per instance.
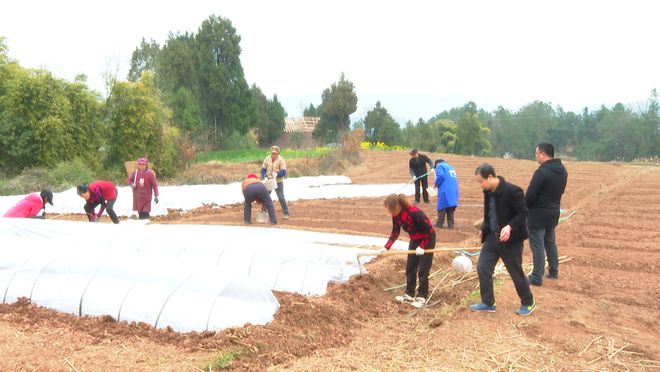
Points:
(542, 243)
(280, 196)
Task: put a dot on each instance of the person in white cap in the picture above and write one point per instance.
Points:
(274, 167)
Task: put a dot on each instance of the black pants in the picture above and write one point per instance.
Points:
(424, 183)
(109, 207)
(143, 215)
(419, 266)
(491, 251)
(257, 191)
(450, 217)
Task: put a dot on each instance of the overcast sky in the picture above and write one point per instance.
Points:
(417, 57)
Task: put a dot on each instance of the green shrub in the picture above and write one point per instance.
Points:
(62, 176)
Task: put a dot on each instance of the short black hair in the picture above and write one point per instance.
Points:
(546, 148)
(82, 189)
(485, 170)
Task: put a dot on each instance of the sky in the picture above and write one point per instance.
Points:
(418, 58)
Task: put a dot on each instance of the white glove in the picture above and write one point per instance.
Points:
(419, 251)
(413, 178)
(382, 250)
(274, 174)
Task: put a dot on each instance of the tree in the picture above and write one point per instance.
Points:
(379, 126)
(311, 111)
(143, 58)
(338, 103)
(269, 115)
(472, 137)
(224, 95)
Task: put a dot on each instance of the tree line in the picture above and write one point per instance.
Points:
(609, 133)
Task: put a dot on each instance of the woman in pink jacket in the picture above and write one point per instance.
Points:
(103, 193)
(31, 205)
(143, 181)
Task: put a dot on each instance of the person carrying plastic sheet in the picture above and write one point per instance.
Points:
(255, 191)
(543, 198)
(31, 205)
(143, 182)
(502, 235)
(447, 184)
(103, 193)
(422, 236)
(274, 167)
(418, 172)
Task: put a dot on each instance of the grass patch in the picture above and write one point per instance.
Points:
(225, 359)
(62, 176)
(251, 155)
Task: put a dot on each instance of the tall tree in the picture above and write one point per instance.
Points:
(143, 58)
(472, 137)
(379, 126)
(269, 117)
(224, 95)
(338, 103)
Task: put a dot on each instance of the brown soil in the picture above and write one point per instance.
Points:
(601, 314)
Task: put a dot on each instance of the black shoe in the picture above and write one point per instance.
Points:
(554, 276)
(426, 201)
(533, 281)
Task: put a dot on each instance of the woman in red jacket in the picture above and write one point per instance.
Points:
(143, 181)
(422, 236)
(102, 193)
(31, 205)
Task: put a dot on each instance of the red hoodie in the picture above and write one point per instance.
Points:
(26, 208)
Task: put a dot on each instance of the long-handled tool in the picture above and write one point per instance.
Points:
(406, 252)
(411, 181)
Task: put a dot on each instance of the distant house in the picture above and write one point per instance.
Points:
(298, 132)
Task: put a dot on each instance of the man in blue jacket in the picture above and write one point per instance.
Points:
(447, 185)
(543, 198)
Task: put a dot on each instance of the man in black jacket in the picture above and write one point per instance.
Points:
(502, 235)
(543, 198)
(417, 167)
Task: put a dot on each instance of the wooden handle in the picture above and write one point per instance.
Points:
(390, 253)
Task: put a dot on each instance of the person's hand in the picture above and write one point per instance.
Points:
(505, 233)
(156, 200)
(274, 174)
(413, 178)
(419, 251)
(382, 250)
(133, 186)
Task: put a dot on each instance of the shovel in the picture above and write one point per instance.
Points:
(406, 252)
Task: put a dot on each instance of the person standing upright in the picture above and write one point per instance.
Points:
(447, 184)
(143, 182)
(274, 167)
(418, 172)
(502, 235)
(543, 198)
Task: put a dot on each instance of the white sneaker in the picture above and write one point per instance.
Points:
(404, 298)
(419, 302)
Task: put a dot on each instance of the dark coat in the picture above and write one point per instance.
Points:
(544, 194)
(511, 210)
(417, 165)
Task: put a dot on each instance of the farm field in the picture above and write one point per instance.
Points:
(601, 314)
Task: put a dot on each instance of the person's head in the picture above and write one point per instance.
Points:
(414, 153)
(486, 177)
(438, 161)
(544, 151)
(47, 196)
(274, 151)
(83, 191)
(142, 163)
(394, 203)
(251, 175)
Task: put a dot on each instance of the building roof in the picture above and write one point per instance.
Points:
(300, 124)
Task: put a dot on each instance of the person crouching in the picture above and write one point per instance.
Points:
(254, 190)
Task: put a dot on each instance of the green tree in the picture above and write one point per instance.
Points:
(311, 111)
(338, 103)
(224, 95)
(143, 58)
(472, 137)
(269, 116)
(379, 126)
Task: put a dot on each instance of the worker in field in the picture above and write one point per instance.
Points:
(31, 205)
(543, 198)
(255, 191)
(422, 236)
(447, 184)
(274, 167)
(143, 182)
(418, 172)
(103, 193)
(502, 235)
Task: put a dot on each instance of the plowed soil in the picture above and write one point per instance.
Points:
(602, 313)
